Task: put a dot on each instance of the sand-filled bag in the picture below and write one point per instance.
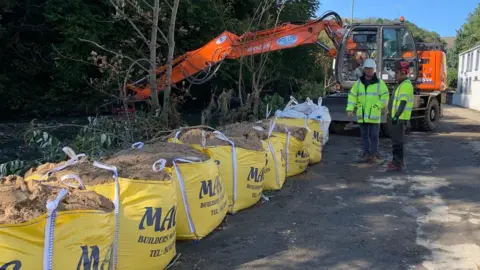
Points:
(314, 131)
(296, 142)
(274, 174)
(54, 226)
(241, 163)
(202, 201)
(147, 201)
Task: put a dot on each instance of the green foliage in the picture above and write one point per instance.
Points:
(467, 36)
(419, 34)
(452, 77)
(104, 134)
(46, 69)
(98, 136)
(12, 167)
(273, 103)
(48, 145)
(312, 90)
(423, 35)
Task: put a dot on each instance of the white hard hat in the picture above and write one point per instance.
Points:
(369, 63)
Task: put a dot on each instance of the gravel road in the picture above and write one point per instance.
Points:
(341, 216)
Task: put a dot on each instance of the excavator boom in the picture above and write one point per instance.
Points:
(230, 46)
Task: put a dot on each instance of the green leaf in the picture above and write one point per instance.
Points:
(103, 138)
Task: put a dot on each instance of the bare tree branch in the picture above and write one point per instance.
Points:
(140, 34)
(168, 4)
(69, 58)
(259, 79)
(165, 40)
(153, 58)
(171, 50)
(110, 51)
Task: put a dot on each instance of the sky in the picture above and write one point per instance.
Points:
(441, 16)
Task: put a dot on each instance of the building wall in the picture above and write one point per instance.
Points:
(468, 89)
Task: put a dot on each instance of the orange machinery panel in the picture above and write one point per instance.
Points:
(432, 74)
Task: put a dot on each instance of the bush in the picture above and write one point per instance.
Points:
(452, 77)
(274, 102)
(312, 90)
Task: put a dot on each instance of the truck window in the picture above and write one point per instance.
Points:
(398, 43)
(407, 46)
(390, 43)
(361, 45)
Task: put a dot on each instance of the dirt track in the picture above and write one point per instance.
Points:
(338, 216)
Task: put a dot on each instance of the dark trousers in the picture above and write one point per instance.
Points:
(370, 136)
(398, 141)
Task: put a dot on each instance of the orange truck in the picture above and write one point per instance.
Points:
(385, 43)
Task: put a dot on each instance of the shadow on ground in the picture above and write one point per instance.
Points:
(335, 217)
(327, 218)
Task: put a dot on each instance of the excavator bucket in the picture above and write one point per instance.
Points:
(336, 104)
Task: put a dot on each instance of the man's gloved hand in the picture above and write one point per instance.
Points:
(350, 114)
(394, 120)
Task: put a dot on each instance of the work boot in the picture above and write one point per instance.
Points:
(375, 158)
(365, 158)
(394, 167)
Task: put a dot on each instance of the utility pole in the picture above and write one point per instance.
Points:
(353, 5)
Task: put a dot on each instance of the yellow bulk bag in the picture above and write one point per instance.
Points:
(61, 237)
(315, 132)
(202, 201)
(147, 220)
(296, 142)
(241, 170)
(275, 169)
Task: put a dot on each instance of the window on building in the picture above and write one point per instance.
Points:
(469, 86)
(477, 60)
(471, 62)
(460, 86)
(462, 63)
(468, 62)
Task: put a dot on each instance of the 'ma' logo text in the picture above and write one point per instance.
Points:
(210, 188)
(155, 217)
(302, 154)
(13, 265)
(255, 174)
(91, 261)
(316, 136)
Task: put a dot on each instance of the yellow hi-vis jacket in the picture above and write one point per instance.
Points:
(369, 102)
(403, 92)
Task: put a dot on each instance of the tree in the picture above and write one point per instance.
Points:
(467, 36)
(148, 14)
(46, 71)
(171, 50)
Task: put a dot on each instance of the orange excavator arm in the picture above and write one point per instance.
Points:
(230, 46)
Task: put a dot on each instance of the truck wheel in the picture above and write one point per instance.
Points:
(429, 121)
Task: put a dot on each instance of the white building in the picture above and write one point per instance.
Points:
(468, 89)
